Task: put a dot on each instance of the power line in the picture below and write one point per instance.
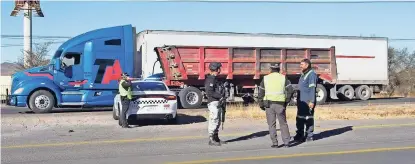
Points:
(402, 39)
(34, 36)
(68, 37)
(20, 45)
(293, 1)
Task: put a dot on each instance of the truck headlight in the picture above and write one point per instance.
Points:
(18, 91)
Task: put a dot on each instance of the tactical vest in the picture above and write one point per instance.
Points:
(124, 92)
(274, 84)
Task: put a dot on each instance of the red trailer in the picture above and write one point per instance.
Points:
(185, 68)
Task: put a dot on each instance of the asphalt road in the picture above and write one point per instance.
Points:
(352, 142)
(377, 101)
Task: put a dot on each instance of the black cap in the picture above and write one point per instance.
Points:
(275, 66)
(214, 66)
(124, 74)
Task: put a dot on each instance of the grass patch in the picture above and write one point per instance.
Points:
(237, 111)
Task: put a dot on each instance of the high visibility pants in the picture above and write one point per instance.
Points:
(305, 117)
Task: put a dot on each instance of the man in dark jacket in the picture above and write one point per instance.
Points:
(306, 102)
(214, 96)
(274, 94)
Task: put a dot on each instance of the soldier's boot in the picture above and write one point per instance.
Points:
(216, 138)
(299, 138)
(213, 142)
(309, 139)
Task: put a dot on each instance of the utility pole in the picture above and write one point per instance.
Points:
(28, 6)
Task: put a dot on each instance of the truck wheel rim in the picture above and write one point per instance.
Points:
(42, 102)
(348, 93)
(364, 93)
(320, 95)
(191, 98)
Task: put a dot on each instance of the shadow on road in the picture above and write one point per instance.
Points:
(202, 106)
(250, 136)
(332, 132)
(319, 136)
(260, 134)
(182, 120)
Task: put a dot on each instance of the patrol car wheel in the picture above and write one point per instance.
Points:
(41, 101)
(346, 93)
(321, 94)
(114, 112)
(190, 97)
(363, 92)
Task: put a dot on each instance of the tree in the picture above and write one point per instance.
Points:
(393, 64)
(37, 57)
(408, 73)
(401, 69)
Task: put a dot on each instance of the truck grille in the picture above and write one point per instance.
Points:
(149, 102)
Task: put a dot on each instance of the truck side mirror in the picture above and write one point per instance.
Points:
(57, 65)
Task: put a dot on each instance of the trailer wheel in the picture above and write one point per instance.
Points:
(346, 93)
(363, 92)
(321, 94)
(42, 101)
(190, 97)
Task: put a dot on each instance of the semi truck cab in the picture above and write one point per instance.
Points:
(83, 72)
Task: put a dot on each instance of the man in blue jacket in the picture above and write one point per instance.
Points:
(306, 102)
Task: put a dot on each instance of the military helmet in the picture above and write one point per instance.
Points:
(214, 66)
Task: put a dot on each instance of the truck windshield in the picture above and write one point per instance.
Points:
(148, 86)
(57, 54)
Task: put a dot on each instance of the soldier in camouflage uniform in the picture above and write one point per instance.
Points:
(214, 97)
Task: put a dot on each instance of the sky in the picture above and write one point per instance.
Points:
(71, 18)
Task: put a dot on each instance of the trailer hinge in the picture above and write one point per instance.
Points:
(171, 56)
(174, 65)
(166, 48)
(177, 75)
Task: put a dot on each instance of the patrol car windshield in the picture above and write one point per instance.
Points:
(148, 86)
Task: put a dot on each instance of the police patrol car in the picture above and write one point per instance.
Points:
(150, 100)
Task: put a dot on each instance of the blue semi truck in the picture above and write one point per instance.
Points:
(83, 72)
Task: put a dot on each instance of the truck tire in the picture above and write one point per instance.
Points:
(346, 93)
(41, 101)
(321, 94)
(190, 97)
(363, 92)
